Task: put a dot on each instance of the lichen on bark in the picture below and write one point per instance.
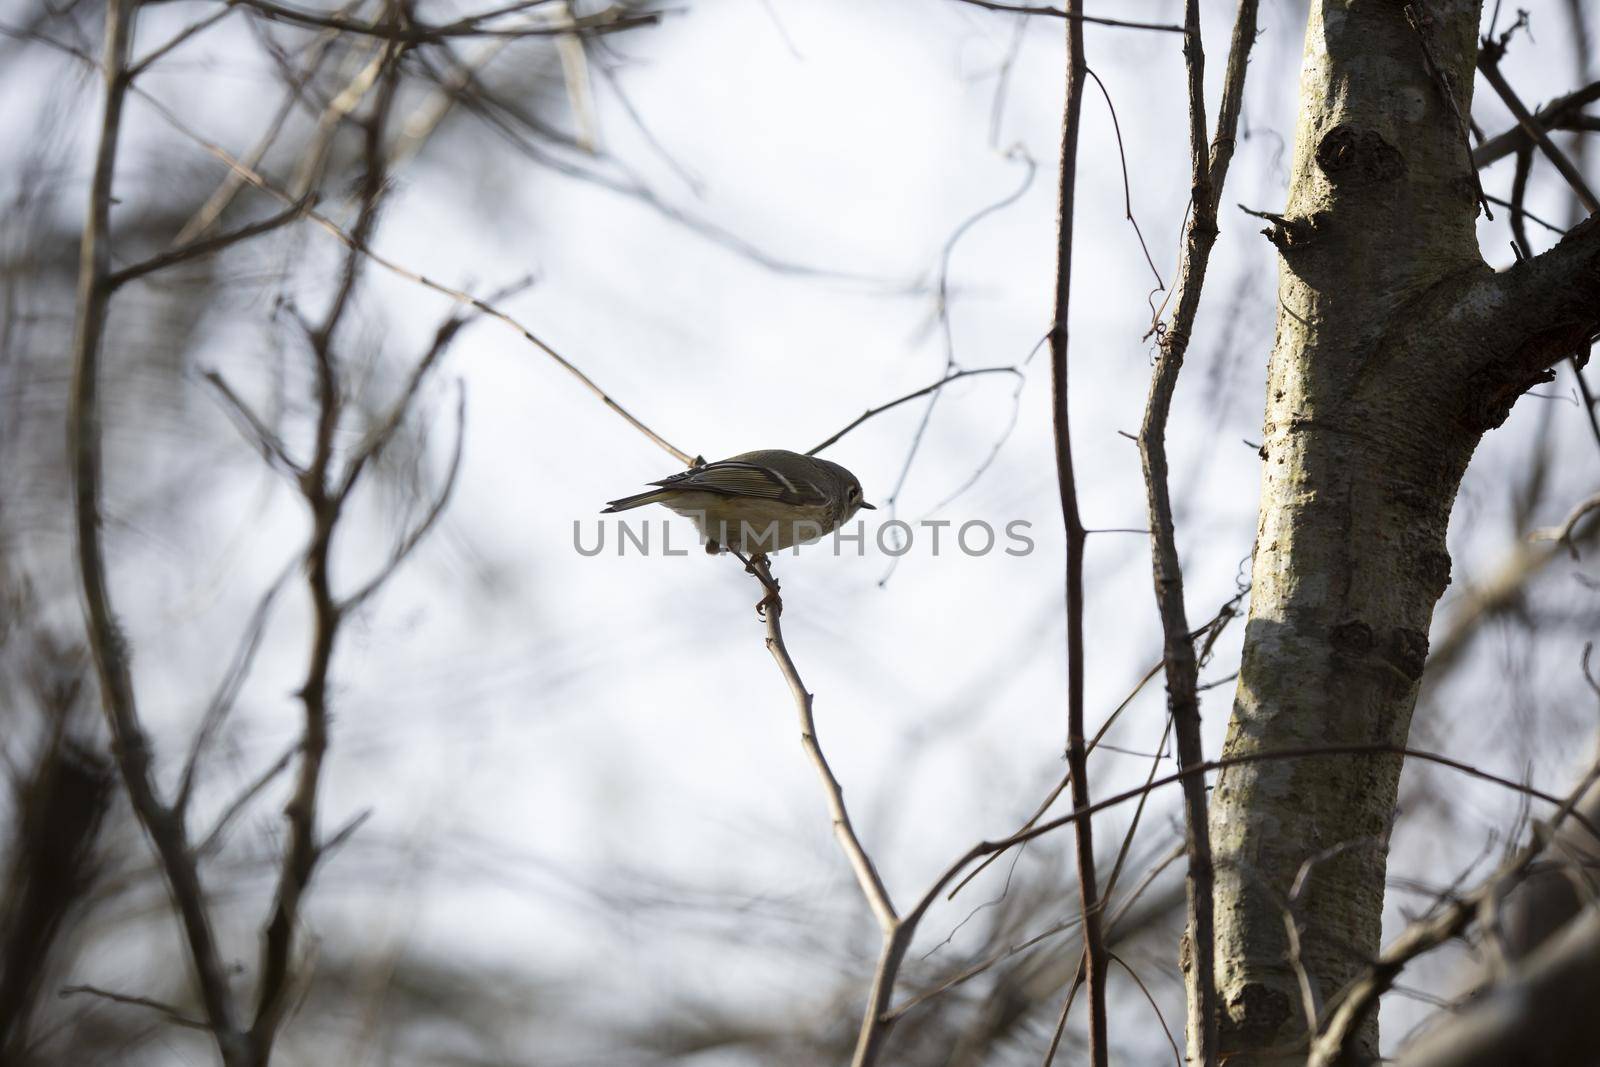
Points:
(1397, 347)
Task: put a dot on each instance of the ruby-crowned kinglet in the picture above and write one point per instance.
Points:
(758, 502)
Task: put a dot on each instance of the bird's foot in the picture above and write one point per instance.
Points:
(759, 566)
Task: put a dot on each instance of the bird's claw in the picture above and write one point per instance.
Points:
(757, 565)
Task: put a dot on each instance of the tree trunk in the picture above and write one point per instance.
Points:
(1396, 349)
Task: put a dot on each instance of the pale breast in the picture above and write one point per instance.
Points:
(751, 524)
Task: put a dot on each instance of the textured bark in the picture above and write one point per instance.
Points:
(1396, 349)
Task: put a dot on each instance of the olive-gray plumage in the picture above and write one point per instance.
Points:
(757, 502)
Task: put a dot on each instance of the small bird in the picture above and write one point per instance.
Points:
(758, 502)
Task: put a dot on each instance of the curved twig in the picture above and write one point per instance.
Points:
(924, 391)
(1562, 533)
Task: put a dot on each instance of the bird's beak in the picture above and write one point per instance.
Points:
(869, 507)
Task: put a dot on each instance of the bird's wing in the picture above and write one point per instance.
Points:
(740, 478)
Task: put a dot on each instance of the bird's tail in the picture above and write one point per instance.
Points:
(638, 500)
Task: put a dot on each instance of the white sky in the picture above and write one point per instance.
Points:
(617, 722)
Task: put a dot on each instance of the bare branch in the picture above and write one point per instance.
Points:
(872, 887)
(1060, 1030)
(942, 310)
(1177, 1055)
(249, 175)
(1503, 202)
(610, 20)
(1548, 1005)
(220, 199)
(1212, 630)
(1491, 598)
(1339, 1035)
(301, 852)
(227, 690)
(1117, 915)
(1554, 114)
(418, 532)
(267, 443)
(341, 836)
(1519, 195)
(896, 932)
(1077, 750)
(1066, 779)
(1421, 20)
(1489, 64)
(205, 246)
(209, 843)
(489, 310)
(1562, 534)
(987, 848)
(167, 1011)
(106, 641)
(378, 437)
(1127, 188)
(924, 391)
(1208, 171)
(881, 1014)
(1074, 15)
(177, 39)
(1160, 754)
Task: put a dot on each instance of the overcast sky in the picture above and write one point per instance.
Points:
(539, 725)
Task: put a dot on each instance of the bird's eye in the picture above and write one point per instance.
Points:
(854, 492)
